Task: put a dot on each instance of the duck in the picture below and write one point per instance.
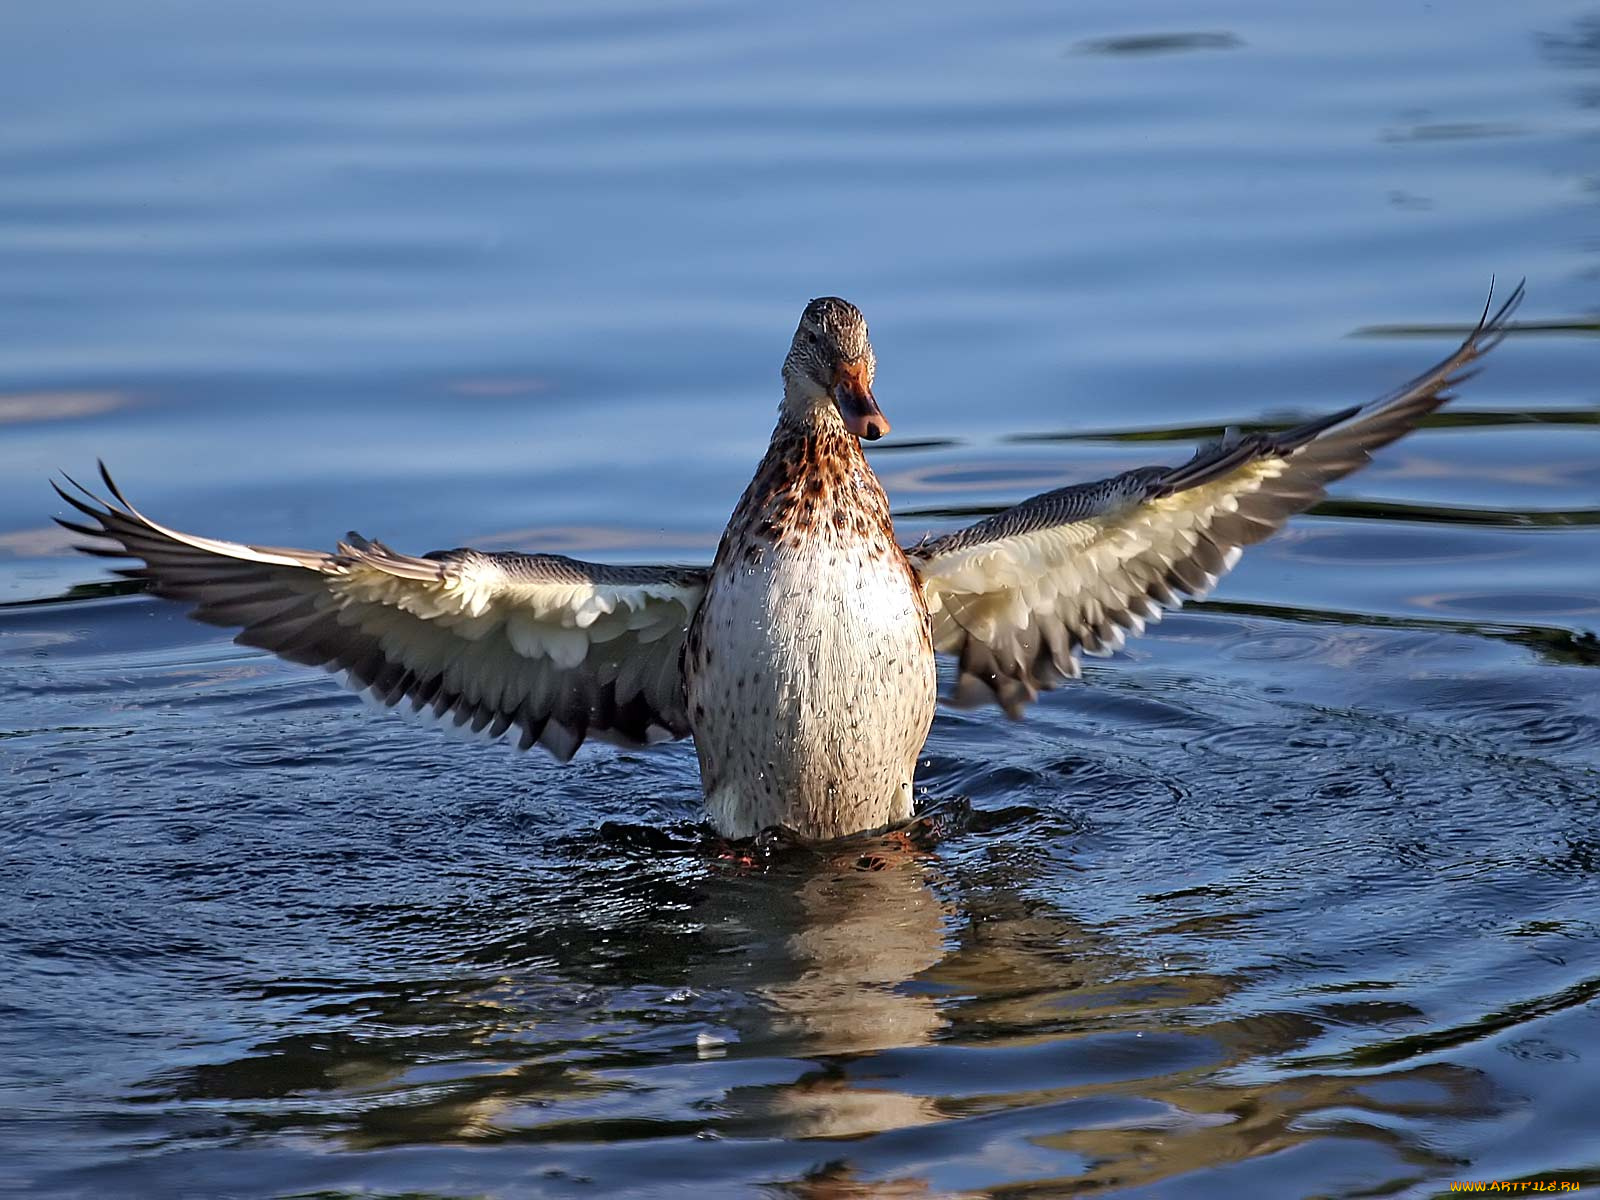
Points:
(803, 660)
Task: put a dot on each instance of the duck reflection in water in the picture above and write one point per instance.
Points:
(826, 1006)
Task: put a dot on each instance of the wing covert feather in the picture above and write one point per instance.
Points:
(559, 648)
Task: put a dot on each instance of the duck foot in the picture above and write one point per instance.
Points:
(922, 831)
(775, 839)
(938, 820)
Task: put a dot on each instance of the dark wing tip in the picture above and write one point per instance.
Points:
(79, 528)
(1511, 304)
(1406, 404)
(111, 485)
(1491, 330)
(89, 504)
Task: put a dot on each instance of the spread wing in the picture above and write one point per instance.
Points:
(559, 648)
(1017, 596)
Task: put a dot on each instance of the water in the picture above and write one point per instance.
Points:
(1297, 898)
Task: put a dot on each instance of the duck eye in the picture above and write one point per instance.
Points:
(811, 336)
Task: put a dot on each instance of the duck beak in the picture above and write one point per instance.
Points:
(860, 411)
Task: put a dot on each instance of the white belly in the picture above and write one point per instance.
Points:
(811, 691)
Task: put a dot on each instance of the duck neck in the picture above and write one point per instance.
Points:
(810, 438)
(805, 412)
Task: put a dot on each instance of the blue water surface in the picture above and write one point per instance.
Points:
(1297, 897)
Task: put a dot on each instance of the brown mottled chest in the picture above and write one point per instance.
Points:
(813, 490)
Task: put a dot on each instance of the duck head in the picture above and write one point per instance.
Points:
(831, 362)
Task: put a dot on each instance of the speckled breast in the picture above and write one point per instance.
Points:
(809, 669)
